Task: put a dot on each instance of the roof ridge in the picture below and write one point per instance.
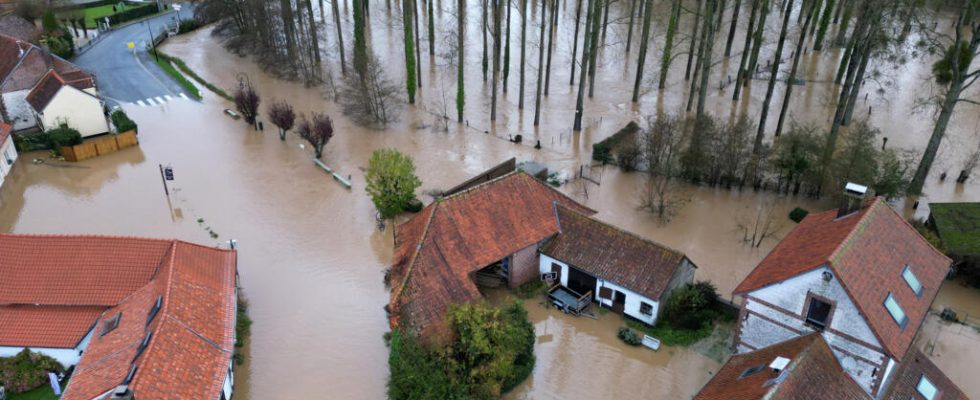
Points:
(858, 227)
(415, 254)
(164, 307)
(85, 236)
(621, 230)
(481, 185)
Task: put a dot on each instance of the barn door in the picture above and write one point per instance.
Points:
(619, 302)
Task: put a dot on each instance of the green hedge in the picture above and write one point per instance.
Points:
(189, 87)
(53, 139)
(26, 371)
(122, 121)
(187, 70)
(132, 13)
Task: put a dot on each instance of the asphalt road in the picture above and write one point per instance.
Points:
(127, 75)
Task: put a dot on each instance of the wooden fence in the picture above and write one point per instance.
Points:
(100, 146)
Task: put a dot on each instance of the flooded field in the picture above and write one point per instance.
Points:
(312, 258)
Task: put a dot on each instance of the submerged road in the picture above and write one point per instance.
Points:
(127, 75)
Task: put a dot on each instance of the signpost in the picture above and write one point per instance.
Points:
(166, 174)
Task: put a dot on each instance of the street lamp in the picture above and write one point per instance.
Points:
(152, 42)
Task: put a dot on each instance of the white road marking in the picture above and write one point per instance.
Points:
(150, 102)
(161, 101)
(167, 96)
(140, 103)
(184, 96)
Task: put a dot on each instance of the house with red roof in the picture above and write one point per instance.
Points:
(22, 67)
(860, 276)
(511, 230)
(69, 98)
(8, 153)
(138, 318)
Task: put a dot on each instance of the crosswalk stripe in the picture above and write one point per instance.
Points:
(149, 100)
(140, 103)
(184, 96)
(161, 101)
(167, 96)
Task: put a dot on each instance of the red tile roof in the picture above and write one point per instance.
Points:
(812, 373)
(56, 287)
(46, 89)
(23, 64)
(439, 248)
(867, 251)
(4, 131)
(46, 326)
(613, 254)
(906, 378)
(192, 335)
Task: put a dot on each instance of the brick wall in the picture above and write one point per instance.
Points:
(524, 266)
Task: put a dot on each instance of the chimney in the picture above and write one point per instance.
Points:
(853, 199)
(779, 364)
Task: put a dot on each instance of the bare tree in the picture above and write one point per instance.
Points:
(317, 131)
(369, 98)
(247, 101)
(662, 142)
(282, 115)
(758, 225)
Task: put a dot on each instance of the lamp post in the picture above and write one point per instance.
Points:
(152, 42)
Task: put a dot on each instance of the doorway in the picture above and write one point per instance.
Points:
(619, 302)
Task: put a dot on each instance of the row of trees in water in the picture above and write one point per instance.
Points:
(874, 35)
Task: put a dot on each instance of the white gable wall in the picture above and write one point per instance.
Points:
(67, 357)
(82, 112)
(775, 313)
(8, 155)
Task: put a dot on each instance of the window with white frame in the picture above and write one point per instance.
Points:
(896, 311)
(646, 309)
(926, 388)
(912, 280)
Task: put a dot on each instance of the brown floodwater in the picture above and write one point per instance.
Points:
(312, 259)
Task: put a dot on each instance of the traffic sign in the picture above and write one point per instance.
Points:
(130, 45)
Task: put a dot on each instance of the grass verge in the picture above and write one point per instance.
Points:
(41, 393)
(188, 86)
(187, 70)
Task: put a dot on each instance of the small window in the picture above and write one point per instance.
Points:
(926, 388)
(146, 342)
(110, 324)
(752, 371)
(646, 309)
(130, 375)
(896, 311)
(818, 313)
(912, 280)
(154, 310)
(605, 293)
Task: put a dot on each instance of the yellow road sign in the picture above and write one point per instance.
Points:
(130, 45)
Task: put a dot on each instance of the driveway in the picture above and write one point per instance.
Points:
(127, 75)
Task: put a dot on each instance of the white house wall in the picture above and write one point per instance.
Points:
(67, 357)
(7, 152)
(633, 299)
(775, 313)
(19, 110)
(82, 112)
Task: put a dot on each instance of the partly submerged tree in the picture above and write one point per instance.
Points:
(391, 181)
(282, 115)
(247, 102)
(317, 131)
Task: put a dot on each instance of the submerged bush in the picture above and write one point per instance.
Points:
(122, 121)
(798, 214)
(629, 337)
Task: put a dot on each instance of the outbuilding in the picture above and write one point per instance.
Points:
(70, 99)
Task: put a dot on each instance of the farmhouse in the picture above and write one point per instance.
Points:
(8, 154)
(22, 66)
(143, 318)
(625, 272)
(492, 233)
(861, 276)
(68, 98)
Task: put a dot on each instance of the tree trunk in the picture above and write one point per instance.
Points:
(340, 36)
(360, 42)
(507, 46)
(846, 59)
(694, 41)
(578, 17)
(667, 57)
(316, 76)
(483, 30)
(579, 102)
(793, 70)
(856, 88)
(938, 131)
(629, 29)
(460, 92)
(605, 20)
(289, 27)
(418, 45)
(409, 51)
(541, 51)
(741, 74)
(824, 24)
(432, 29)
(551, 39)
(708, 48)
(845, 21)
(774, 72)
(497, 35)
(594, 46)
(731, 30)
(644, 42)
(760, 29)
(520, 101)
(699, 57)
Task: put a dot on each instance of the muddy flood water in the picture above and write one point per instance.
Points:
(312, 258)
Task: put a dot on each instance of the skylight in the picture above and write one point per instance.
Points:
(926, 388)
(896, 311)
(912, 280)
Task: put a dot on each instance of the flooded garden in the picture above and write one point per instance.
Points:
(312, 257)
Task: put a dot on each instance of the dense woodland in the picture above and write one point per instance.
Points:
(289, 38)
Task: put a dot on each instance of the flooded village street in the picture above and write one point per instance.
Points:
(311, 256)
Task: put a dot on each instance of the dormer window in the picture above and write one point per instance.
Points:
(110, 324)
(143, 345)
(926, 388)
(896, 311)
(912, 280)
(154, 310)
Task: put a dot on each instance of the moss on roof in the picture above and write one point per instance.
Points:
(958, 224)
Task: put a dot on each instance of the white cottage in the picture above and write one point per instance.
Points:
(627, 273)
(860, 276)
(70, 99)
(8, 154)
